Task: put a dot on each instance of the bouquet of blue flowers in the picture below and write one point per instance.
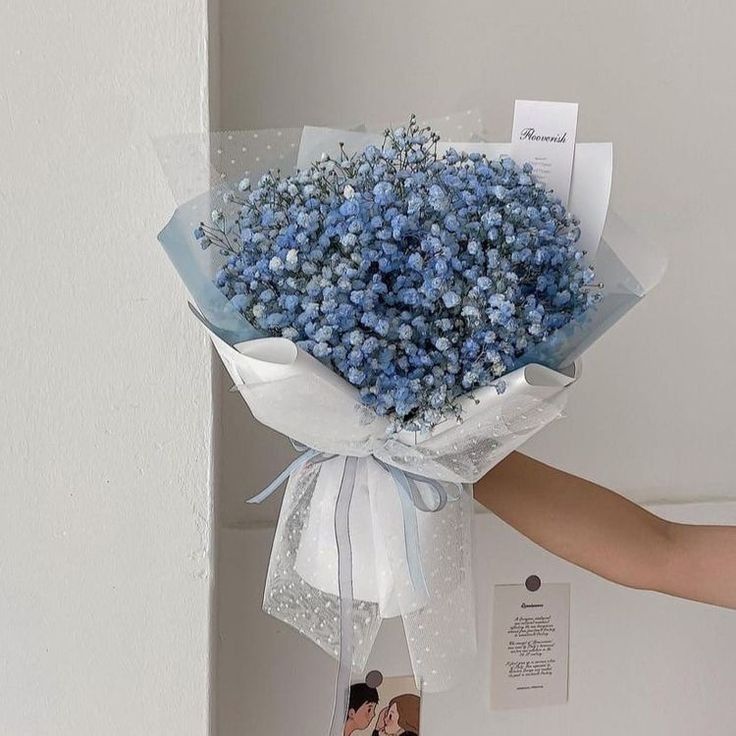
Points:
(408, 311)
(416, 276)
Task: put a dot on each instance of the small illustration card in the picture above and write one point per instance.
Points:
(543, 134)
(383, 706)
(530, 645)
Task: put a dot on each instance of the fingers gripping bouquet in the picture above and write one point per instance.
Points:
(408, 312)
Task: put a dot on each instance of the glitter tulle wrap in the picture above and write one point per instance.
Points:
(295, 394)
(301, 398)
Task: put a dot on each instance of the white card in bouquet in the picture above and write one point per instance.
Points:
(543, 134)
(529, 645)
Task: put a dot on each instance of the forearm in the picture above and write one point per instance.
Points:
(603, 532)
(702, 566)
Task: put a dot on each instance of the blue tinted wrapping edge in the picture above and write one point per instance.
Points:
(621, 292)
(195, 269)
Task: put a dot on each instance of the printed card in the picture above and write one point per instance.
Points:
(529, 645)
(381, 706)
(543, 134)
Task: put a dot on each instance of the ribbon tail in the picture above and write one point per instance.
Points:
(345, 595)
(411, 532)
(283, 476)
(443, 490)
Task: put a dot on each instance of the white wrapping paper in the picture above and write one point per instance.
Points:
(295, 394)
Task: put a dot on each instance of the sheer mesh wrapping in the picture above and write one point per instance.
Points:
(295, 394)
(289, 597)
(301, 586)
(628, 267)
(305, 401)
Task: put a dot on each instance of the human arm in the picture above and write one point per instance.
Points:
(601, 531)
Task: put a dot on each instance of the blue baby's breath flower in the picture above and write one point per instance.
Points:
(416, 277)
(383, 192)
(437, 198)
(415, 261)
(406, 332)
(451, 299)
(276, 264)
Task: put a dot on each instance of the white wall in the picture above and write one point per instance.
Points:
(105, 399)
(640, 662)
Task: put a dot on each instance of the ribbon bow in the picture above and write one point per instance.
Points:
(412, 500)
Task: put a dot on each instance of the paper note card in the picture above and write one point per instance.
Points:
(529, 646)
(544, 135)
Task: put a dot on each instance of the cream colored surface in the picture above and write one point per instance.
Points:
(105, 400)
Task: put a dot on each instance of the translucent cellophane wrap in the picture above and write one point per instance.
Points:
(627, 267)
(298, 396)
(440, 632)
(295, 394)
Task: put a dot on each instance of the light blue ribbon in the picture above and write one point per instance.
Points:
(345, 594)
(286, 473)
(409, 494)
(412, 500)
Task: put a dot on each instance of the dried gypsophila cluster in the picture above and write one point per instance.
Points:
(418, 277)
